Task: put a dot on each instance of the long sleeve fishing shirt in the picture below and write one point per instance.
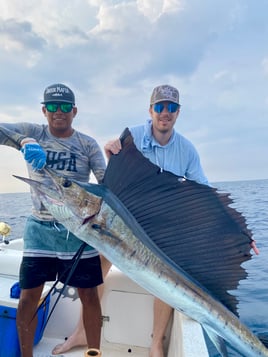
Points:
(74, 157)
(178, 156)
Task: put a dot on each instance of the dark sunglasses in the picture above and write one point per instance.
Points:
(171, 107)
(64, 107)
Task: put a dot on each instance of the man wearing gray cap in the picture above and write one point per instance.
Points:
(49, 248)
(161, 144)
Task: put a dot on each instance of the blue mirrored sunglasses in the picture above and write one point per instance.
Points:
(171, 107)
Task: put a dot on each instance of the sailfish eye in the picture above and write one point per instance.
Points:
(66, 183)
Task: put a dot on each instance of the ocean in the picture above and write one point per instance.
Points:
(250, 198)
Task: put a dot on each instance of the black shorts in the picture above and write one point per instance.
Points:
(35, 271)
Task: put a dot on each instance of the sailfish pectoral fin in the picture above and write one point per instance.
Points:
(218, 342)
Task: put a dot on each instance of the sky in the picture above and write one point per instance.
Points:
(112, 53)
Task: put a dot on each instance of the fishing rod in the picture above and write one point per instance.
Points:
(75, 260)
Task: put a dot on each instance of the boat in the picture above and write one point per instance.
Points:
(127, 315)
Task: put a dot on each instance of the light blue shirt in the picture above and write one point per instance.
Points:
(178, 156)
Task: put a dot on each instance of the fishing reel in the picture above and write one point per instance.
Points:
(5, 230)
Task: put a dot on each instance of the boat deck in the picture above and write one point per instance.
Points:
(47, 344)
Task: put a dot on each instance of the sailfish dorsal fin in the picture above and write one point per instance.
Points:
(192, 224)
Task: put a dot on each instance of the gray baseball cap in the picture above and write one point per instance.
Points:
(165, 93)
(58, 93)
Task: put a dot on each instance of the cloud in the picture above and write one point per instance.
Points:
(265, 66)
(113, 52)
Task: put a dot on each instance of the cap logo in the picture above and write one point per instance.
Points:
(168, 92)
(57, 91)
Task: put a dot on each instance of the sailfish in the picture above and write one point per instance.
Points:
(178, 239)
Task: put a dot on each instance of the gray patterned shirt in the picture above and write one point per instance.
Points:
(74, 157)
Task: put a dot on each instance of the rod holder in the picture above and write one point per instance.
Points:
(93, 352)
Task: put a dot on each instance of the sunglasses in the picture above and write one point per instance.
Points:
(64, 107)
(171, 107)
